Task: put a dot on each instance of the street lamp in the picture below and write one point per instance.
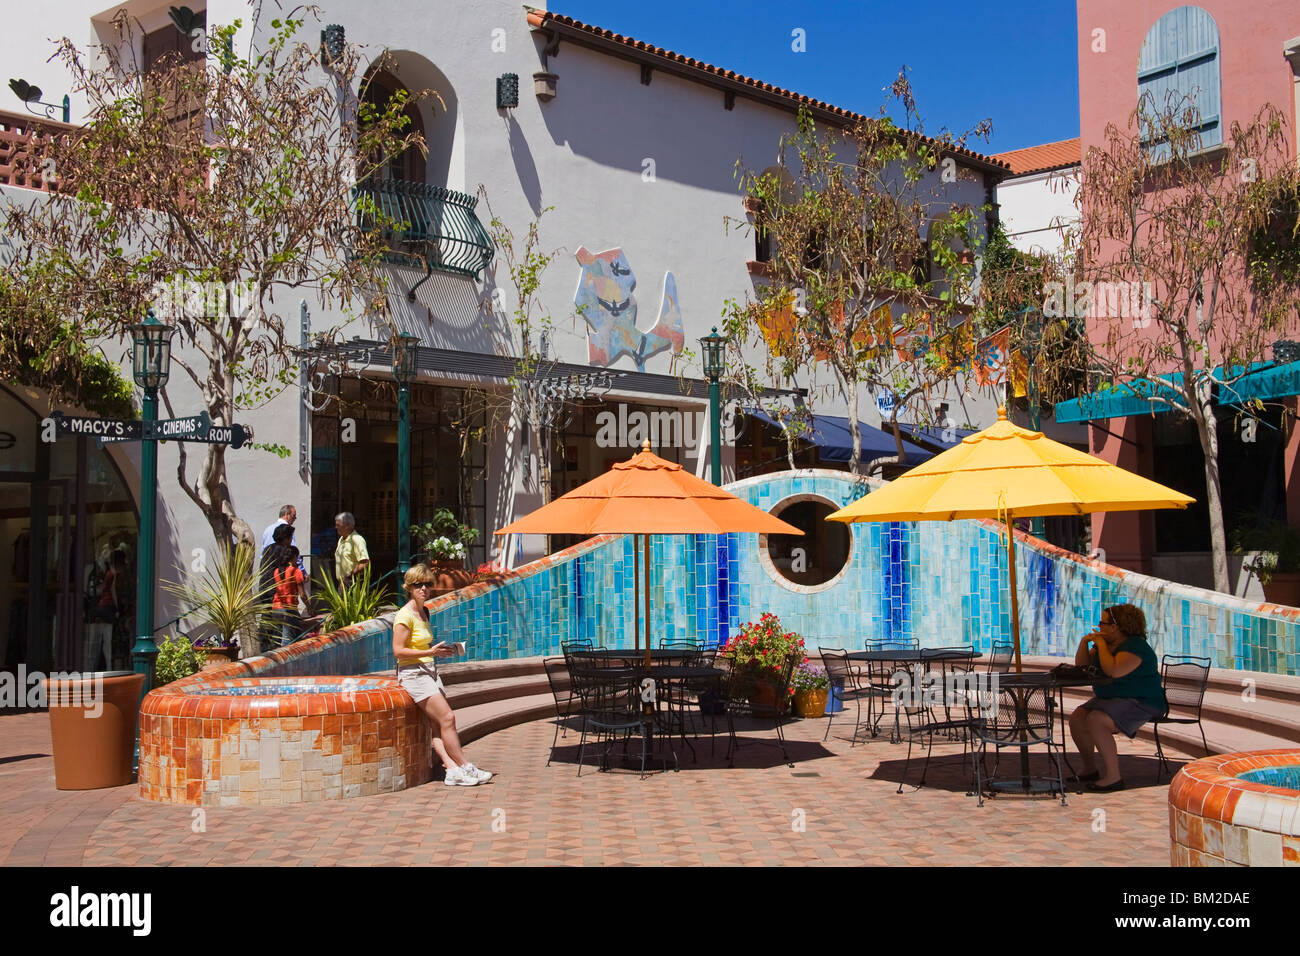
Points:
(150, 367)
(405, 351)
(713, 366)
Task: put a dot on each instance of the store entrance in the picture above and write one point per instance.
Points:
(67, 551)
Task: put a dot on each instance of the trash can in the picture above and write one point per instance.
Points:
(834, 704)
(92, 722)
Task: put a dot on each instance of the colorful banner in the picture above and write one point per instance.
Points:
(992, 357)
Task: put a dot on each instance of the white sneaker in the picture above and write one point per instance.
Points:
(480, 776)
(457, 777)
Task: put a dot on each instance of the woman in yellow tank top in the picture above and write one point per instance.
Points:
(417, 671)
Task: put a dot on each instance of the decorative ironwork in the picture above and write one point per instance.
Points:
(32, 94)
(436, 226)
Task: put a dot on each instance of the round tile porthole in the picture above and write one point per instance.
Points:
(815, 560)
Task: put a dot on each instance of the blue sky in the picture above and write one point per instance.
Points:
(1012, 61)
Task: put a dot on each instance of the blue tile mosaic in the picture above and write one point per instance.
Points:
(943, 583)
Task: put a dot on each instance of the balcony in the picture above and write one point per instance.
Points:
(435, 227)
(23, 141)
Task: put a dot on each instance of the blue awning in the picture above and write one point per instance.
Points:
(830, 433)
(1265, 381)
(934, 434)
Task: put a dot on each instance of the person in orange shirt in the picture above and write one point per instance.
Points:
(289, 581)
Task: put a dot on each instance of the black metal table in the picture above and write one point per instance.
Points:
(1055, 684)
(646, 682)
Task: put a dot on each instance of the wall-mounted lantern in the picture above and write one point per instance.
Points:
(331, 43)
(507, 91)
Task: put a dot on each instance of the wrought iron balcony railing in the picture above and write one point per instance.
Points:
(435, 227)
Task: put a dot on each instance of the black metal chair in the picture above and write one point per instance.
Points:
(1000, 657)
(739, 702)
(917, 706)
(893, 644)
(569, 648)
(1022, 719)
(844, 677)
(610, 707)
(1184, 678)
(566, 701)
(690, 659)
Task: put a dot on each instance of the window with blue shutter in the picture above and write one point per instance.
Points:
(1180, 59)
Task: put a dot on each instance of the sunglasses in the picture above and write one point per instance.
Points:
(422, 584)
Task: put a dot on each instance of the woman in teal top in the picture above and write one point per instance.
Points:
(1132, 697)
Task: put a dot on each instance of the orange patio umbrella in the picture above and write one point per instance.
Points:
(647, 495)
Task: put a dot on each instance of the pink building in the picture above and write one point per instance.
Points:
(1235, 56)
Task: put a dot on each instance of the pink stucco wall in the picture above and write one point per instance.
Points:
(1252, 68)
(1253, 71)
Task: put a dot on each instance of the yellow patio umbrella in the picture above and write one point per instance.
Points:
(1007, 471)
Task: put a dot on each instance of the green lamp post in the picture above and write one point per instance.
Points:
(150, 367)
(405, 351)
(713, 350)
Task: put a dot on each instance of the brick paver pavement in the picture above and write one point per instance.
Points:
(838, 805)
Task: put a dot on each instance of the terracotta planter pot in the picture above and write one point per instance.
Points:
(765, 695)
(92, 723)
(1283, 589)
(219, 656)
(811, 703)
(450, 576)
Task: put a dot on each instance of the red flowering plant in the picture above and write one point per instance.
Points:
(761, 650)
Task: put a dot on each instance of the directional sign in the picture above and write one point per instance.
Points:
(232, 435)
(191, 428)
(180, 429)
(114, 429)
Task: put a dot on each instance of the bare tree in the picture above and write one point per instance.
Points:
(206, 188)
(1185, 290)
(872, 267)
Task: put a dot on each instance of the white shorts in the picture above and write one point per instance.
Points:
(421, 681)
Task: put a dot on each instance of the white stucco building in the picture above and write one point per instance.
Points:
(633, 146)
(1036, 202)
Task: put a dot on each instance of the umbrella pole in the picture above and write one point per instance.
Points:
(636, 602)
(646, 562)
(1015, 602)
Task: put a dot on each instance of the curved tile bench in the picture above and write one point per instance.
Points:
(1223, 813)
(224, 741)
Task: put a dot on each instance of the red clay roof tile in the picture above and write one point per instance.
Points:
(1037, 159)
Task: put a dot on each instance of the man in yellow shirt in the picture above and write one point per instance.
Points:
(350, 554)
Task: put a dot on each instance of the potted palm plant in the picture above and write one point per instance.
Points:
(228, 597)
(444, 543)
(1275, 546)
(358, 601)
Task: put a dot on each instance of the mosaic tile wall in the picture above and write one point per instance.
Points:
(942, 583)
